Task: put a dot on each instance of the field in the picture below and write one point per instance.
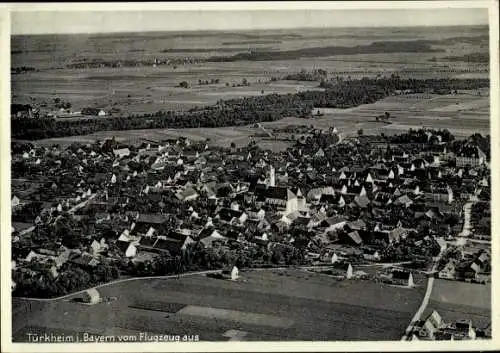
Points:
(459, 300)
(463, 114)
(148, 88)
(262, 305)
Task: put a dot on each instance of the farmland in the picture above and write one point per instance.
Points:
(463, 114)
(270, 305)
(459, 300)
(149, 88)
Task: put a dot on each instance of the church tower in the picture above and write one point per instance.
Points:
(271, 176)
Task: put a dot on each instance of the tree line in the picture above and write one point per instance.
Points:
(338, 93)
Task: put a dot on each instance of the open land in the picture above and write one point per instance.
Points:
(460, 300)
(148, 88)
(266, 305)
(462, 114)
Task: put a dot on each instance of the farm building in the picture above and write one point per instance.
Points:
(91, 296)
(93, 112)
(402, 278)
(231, 273)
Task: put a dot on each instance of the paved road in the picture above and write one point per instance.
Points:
(430, 282)
(187, 274)
(120, 281)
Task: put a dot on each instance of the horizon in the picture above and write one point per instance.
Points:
(231, 31)
(106, 22)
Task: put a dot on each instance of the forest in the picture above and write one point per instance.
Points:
(417, 46)
(338, 93)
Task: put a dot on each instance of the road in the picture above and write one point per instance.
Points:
(188, 274)
(430, 282)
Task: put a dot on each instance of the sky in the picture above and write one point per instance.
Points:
(50, 22)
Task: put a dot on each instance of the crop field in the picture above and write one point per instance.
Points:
(147, 88)
(460, 300)
(261, 305)
(470, 114)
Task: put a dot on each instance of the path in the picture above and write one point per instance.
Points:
(187, 274)
(430, 283)
(425, 300)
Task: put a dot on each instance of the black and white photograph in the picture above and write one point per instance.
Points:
(190, 174)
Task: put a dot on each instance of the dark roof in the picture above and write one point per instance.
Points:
(397, 274)
(147, 241)
(151, 219)
(172, 246)
(275, 192)
(176, 236)
(228, 214)
(122, 245)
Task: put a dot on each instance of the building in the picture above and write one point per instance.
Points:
(430, 326)
(402, 278)
(470, 155)
(91, 296)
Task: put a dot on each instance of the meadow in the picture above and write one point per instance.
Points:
(264, 305)
(147, 88)
(462, 114)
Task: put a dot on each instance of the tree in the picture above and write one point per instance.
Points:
(184, 84)
(244, 82)
(360, 132)
(233, 145)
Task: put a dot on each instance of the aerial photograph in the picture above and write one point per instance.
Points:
(194, 176)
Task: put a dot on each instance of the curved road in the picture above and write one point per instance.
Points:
(186, 274)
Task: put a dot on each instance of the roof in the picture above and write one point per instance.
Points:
(228, 214)
(147, 241)
(92, 292)
(122, 245)
(404, 275)
(151, 218)
(355, 237)
(275, 192)
(172, 246)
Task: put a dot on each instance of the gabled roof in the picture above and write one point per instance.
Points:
(150, 218)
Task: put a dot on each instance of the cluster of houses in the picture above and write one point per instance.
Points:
(68, 113)
(435, 328)
(354, 199)
(470, 266)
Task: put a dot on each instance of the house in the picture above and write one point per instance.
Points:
(145, 222)
(282, 198)
(91, 296)
(127, 248)
(209, 235)
(402, 278)
(93, 112)
(232, 273)
(403, 200)
(470, 155)
(188, 194)
(430, 325)
(122, 152)
(448, 272)
(232, 216)
(15, 202)
(83, 259)
(371, 254)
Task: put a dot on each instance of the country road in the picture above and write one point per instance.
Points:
(430, 283)
(188, 274)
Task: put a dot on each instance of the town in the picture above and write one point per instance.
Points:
(390, 209)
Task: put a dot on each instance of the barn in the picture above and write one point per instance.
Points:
(91, 296)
